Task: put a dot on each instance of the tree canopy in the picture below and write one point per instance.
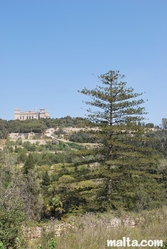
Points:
(112, 100)
(125, 162)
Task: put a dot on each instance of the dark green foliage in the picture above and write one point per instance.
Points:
(127, 167)
(150, 125)
(10, 222)
(29, 147)
(45, 179)
(36, 126)
(29, 164)
(64, 122)
(21, 156)
(83, 137)
(47, 240)
(164, 123)
(26, 126)
(158, 141)
(164, 246)
(3, 129)
(9, 142)
(112, 101)
(11, 203)
(31, 194)
(132, 191)
(74, 146)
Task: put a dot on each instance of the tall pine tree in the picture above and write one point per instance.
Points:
(127, 168)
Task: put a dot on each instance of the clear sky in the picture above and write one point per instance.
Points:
(50, 49)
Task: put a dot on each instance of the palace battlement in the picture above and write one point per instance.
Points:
(30, 114)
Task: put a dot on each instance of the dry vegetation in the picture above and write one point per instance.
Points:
(91, 231)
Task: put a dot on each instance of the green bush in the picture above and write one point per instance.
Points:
(47, 240)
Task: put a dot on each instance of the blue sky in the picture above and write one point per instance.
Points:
(50, 49)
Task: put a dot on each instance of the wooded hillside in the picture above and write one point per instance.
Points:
(113, 161)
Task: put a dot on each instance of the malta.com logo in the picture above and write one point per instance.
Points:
(127, 242)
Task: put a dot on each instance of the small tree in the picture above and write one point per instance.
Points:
(11, 204)
(29, 164)
(164, 123)
(45, 179)
(31, 195)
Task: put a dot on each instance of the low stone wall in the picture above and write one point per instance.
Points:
(31, 233)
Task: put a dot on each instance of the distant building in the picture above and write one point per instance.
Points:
(30, 114)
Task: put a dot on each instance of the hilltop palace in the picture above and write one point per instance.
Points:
(30, 114)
